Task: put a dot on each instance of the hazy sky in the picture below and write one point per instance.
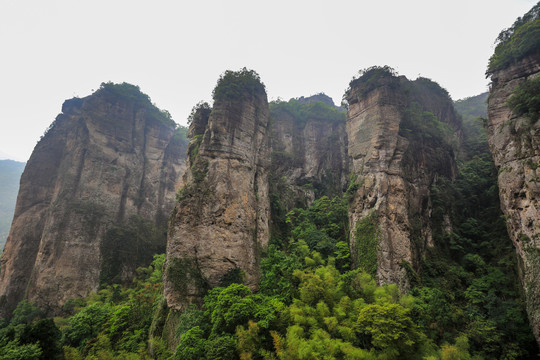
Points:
(176, 50)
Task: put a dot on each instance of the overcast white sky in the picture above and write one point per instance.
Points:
(175, 50)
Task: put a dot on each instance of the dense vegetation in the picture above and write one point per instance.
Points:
(525, 100)
(518, 41)
(233, 84)
(111, 324)
(10, 174)
(370, 78)
(301, 112)
(131, 93)
(310, 303)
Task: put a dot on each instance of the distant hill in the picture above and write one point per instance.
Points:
(473, 107)
(10, 174)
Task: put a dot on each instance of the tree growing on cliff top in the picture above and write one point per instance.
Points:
(232, 84)
(520, 40)
(368, 79)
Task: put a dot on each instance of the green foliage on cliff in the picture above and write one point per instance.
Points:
(186, 277)
(423, 125)
(126, 247)
(200, 112)
(371, 78)
(301, 112)
(125, 92)
(430, 88)
(110, 324)
(525, 99)
(366, 243)
(233, 84)
(114, 323)
(469, 279)
(515, 43)
(321, 226)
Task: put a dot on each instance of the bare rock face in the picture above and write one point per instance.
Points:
(515, 145)
(399, 136)
(111, 158)
(309, 151)
(220, 222)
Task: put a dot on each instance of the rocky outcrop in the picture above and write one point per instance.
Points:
(309, 152)
(220, 222)
(109, 160)
(515, 145)
(396, 142)
(399, 136)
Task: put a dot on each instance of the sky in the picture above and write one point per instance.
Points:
(176, 50)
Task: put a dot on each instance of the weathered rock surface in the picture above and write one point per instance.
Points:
(106, 158)
(399, 135)
(515, 145)
(220, 222)
(309, 154)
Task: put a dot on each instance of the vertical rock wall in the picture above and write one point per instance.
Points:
(107, 157)
(393, 164)
(309, 155)
(220, 222)
(515, 145)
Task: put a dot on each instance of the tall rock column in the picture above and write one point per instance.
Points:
(220, 222)
(108, 158)
(399, 135)
(515, 144)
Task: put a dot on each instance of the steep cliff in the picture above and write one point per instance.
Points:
(400, 136)
(515, 145)
(309, 155)
(220, 222)
(107, 169)
(514, 139)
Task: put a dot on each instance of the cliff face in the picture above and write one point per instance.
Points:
(109, 159)
(399, 136)
(220, 222)
(515, 145)
(309, 152)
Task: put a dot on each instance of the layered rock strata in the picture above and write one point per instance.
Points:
(399, 142)
(107, 158)
(220, 222)
(515, 145)
(309, 151)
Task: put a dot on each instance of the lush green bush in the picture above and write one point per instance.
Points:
(132, 93)
(518, 41)
(371, 78)
(366, 243)
(128, 246)
(233, 84)
(199, 112)
(302, 112)
(525, 99)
